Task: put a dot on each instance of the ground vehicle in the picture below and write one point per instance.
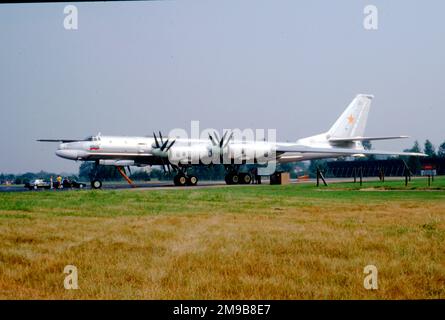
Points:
(69, 184)
(76, 184)
(43, 184)
(37, 184)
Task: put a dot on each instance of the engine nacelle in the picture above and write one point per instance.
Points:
(117, 163)
(205, 154)
(260, 152)
(188, 154)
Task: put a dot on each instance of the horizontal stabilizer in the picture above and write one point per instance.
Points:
(345, 151)
(358, 138)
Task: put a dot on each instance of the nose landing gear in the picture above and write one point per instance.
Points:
(96, 184)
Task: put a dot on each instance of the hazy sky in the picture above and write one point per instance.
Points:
(135, 67)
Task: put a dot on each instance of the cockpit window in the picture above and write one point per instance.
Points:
(92, 138)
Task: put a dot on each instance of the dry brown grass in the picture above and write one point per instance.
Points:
(277, 252)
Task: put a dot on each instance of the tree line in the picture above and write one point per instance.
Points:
(413, 163)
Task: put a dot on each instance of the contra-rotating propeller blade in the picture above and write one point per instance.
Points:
(212, 140)
(163, 146)
(171, 145)
(228, 139)
(156, 140)
(160, 137)
(220, 142)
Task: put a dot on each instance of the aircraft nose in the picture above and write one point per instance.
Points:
(67, 154)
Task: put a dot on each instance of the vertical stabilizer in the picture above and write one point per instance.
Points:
(352, 122)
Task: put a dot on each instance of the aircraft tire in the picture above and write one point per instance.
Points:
(180, 180)
(227, 178)
(232, 178)
(245, 178)
(96, 184)
(192, 180)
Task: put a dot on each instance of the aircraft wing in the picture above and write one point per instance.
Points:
(344, 151)
(359, 138)
(59, 140)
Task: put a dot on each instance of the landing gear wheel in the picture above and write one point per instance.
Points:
(96, 184)
(180, 180)
(192, 180)
(245, 178)
(232, 178)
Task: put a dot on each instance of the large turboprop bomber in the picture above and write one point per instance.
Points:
(177, 155)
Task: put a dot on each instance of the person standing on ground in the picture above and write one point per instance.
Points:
(59, 180)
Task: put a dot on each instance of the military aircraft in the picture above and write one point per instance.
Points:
(344, 138)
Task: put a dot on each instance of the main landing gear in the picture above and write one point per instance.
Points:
(181, 179)
(234, 177)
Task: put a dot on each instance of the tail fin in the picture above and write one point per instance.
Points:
(352, 122)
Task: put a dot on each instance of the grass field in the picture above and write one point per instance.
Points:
(238, 242)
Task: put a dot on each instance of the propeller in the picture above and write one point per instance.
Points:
(161, 148)
(161, 145)
(219, 144)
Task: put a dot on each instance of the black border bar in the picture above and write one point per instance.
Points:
(279, 309)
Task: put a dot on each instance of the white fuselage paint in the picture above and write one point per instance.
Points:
(143, 151)
(343, 138)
